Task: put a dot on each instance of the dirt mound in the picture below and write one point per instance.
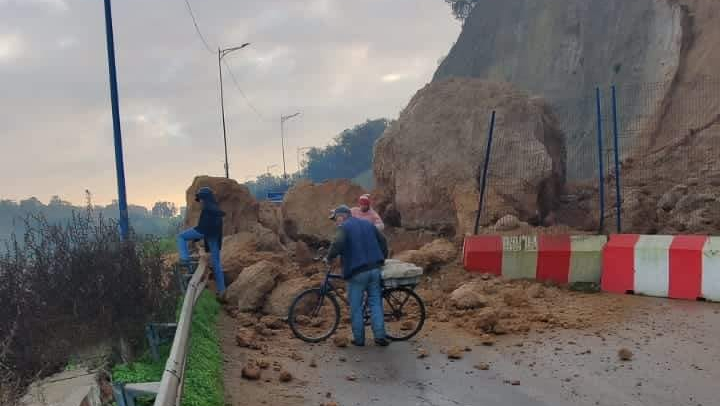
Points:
(418, 175)
(252, 286)
(240, 207)
(431, 255)
(307, 206)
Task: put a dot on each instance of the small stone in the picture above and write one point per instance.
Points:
(251, 372)
(422, 353)
(351, 378)
(285, 376)
(468, 349)
(342, 359)
(313, 363)
(488, 341)
(454, 353)
(625, 355)
(341, 341)
(263, 364)
(482, 366)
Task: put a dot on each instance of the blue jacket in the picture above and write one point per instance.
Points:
(210, 224)
(361, 246)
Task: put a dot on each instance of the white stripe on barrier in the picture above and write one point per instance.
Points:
(520, 255)
(711, 269)
(652, 265)
(586, 258)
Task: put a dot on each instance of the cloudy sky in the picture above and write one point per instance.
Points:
(338, 62)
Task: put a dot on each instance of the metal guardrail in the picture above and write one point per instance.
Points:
(171, 385)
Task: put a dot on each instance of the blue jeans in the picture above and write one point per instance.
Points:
(191, 234)
(369, 282)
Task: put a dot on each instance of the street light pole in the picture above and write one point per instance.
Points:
(283, 119)
(119, 165)
(221, 54)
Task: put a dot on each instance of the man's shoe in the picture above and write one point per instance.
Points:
(382, 342)
(357, 344)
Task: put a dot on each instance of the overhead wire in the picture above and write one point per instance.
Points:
(229, 69)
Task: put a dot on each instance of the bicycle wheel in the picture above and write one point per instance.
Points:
(404, 313)
(314, 316)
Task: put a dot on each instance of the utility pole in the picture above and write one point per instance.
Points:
(117, 135)
(221, 54)
(283, 119)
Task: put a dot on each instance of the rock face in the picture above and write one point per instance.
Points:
(251, 287)
(240, 207)
(426, 180)
(307, 206)
(270, 216)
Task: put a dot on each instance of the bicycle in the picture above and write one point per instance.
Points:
(312, 321)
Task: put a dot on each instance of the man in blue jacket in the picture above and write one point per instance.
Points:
(209, 229)
(363, 250)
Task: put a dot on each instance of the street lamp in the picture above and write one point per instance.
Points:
(221, 55)
(283, 119)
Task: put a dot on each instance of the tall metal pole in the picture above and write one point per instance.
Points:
(282, 142)
(616, 146)
(119, 165)
(485, 170)
(600, 159)
(222, 110)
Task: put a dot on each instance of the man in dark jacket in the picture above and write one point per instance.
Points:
(363, 250)
(209, 229)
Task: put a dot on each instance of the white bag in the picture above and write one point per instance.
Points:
(394, 269)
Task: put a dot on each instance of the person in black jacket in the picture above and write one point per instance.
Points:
(209, 229)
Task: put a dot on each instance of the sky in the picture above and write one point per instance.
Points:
(337, 62)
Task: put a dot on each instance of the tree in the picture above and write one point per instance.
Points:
(462, 8)
(164, 209)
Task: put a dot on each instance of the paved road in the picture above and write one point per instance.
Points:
(676, 363)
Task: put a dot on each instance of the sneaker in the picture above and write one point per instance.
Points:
(382, 342)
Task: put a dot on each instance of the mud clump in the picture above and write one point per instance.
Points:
(285, 376)
(251, 372)
(341, 341)
(625, 355)
(455, 353)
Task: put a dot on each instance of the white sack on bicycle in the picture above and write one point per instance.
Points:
(395, 269)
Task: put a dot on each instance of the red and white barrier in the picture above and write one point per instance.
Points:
(678, 267)
(559, 258)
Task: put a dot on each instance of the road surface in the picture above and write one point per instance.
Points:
(676, 362)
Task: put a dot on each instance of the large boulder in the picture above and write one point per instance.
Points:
(438, 144)
(252, 286)
(240, 207)
(279, 301)
(246, 248)
(306, 208)
(270, 216)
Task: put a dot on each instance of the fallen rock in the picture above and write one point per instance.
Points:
(536, 291)
(246, 338)
(270, 216)
(468, 296)
(253, 284)
(313, 363)
(279, 301)
(240, 207)
(247, 248)
(482, 366)
(307, 205)
(272, 322)
(422, 353)
(515, 298)
(431, 255)
(251, 372)
(263, 364)
(451, 107)
(341, 341)
(454, 352)
(507, 223)
(487, 341)
(625, 355)
(285, 376)
(486, 320)
(351, 377)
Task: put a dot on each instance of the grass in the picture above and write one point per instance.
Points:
(203, 375)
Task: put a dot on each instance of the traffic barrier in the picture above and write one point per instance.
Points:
(559, 258)
(676, 267)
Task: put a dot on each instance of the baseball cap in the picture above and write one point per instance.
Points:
(342, 209)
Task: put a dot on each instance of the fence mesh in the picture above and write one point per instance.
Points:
(667, 140)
